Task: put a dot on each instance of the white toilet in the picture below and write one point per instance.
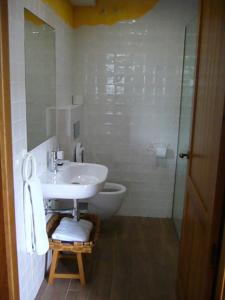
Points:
(108, 202)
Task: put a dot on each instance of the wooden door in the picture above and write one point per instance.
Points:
(9, 288)
(206, 177)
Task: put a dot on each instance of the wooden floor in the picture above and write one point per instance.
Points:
(135, 259)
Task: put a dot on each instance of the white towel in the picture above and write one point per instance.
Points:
(34, 213)
(35, 224)
(73, 231)
(41, 237)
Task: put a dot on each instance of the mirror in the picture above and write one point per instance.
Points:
(40, 77)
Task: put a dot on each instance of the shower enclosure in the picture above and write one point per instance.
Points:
(188, 79)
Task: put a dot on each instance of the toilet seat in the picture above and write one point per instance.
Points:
(114, 188)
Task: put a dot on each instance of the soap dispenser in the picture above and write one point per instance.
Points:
(60, 156)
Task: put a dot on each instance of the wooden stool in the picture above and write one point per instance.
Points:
(76, 248)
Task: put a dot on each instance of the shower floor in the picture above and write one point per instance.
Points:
(135, 258)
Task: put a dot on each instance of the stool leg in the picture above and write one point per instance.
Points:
(81, 268)
(53, 266)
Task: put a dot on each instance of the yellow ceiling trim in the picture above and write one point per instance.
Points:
(112, 11)
(63, 8)
(32, 18)
(105, 12)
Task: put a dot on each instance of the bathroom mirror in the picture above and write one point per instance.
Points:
(40, 77)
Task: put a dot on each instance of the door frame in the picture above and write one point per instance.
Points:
(8, 254)
(220, 282)
(219, 286)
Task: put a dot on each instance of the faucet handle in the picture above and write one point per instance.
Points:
(53, 155)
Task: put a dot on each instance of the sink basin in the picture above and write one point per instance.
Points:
(74, 181)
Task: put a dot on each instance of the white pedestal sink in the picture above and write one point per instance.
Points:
(74, 181)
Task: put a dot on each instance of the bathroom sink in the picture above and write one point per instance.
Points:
(74, 181)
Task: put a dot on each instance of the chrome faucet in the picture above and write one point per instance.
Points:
(53, 162)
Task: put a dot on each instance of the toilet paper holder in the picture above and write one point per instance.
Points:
(158, 149)
(161, 151)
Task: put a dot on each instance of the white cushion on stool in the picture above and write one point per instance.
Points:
(69, 230)
(84, 223)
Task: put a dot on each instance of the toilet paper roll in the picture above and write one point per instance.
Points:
(161, 152)
(79, 153)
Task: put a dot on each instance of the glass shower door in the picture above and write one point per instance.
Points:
(188, 80)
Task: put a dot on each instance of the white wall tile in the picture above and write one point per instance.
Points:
(130, 78)
(31, 268)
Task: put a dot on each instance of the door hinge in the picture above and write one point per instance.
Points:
(214, 255)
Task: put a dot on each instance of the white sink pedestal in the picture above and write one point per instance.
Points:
(76, 211)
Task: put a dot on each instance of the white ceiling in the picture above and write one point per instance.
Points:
(83, 2)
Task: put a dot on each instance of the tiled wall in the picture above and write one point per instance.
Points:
(68, 117)
(130, 77)
(31, 268)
